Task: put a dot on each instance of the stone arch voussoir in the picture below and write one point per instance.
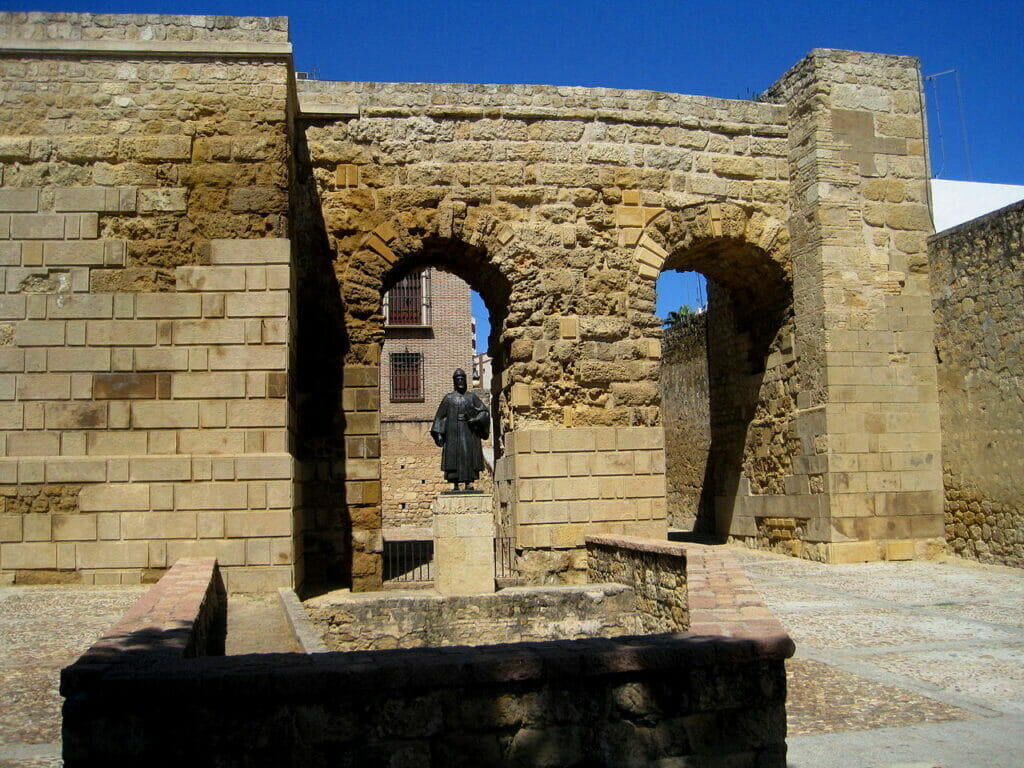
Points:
(395, 245)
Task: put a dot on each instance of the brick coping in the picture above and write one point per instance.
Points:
(636, 543)
(723, 601)
(182, 616)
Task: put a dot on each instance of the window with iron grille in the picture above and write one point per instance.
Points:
(406, 377)
(408, 302)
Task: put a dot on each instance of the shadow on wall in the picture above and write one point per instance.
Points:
(321, 508)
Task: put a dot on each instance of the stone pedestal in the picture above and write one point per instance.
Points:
(463, 544)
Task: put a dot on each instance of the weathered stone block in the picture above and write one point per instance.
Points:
(169, 305)
(74, 528)
(25, 200)
(112, 554)
(207, 385)
(263, 251)
(212, 496)
(163, 200)
(158, 525)
(253, 523)
(124, 386)
(165, 415)
(114, 497)
(28, 556)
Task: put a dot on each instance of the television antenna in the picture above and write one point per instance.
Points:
(963, 121)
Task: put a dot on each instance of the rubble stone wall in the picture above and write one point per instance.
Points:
(513, 615)
(656, 572)
(685, 403)
(978, 291)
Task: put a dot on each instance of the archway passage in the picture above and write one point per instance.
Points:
(683, 385)
(367, 327)
(728, 378)
(429, 332)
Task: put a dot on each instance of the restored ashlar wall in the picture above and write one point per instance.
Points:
(562, 205)
(978, 291)
(145, 311)
(866, 390)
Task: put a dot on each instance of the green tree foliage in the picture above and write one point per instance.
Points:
(676, 317)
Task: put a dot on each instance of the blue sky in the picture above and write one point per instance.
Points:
(729, 50)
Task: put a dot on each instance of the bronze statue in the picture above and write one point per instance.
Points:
(461, 423)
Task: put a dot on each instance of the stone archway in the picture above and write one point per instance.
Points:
(752, 367)
(388, 253)
(580, 199)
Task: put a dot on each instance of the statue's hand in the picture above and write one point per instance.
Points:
(438, 439)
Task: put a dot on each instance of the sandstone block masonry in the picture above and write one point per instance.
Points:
(563, 205)
(145, 349)
(977, 293)
(138, 150)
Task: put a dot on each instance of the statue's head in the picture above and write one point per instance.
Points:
(459, 379)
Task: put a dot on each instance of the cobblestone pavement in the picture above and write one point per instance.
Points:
(898, 665)
(44, 628)
(41, 630)
(916, 665)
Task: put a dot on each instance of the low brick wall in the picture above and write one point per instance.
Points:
(670, 699)
(723, 602)
(599, 702)
(656, 570)
(368, 621)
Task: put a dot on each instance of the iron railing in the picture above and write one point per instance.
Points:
(505, 557)
(409, 561)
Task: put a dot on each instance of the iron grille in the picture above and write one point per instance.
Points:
(505, 557)
(408, 561)
(408, 302)
(406, 377)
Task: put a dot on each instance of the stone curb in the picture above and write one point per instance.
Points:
(305, 634)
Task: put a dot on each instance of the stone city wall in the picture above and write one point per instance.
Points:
(546, 201)
(145, 319)
(978, 291)
(564, 204)
(560, 206)
(685, 399)
(865, 384)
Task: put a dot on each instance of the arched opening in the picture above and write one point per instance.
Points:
(728, 425)
(427, 330)
(683, 385)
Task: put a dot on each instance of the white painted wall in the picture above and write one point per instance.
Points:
(954, 202)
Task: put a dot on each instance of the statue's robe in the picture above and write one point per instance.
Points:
(463, 421)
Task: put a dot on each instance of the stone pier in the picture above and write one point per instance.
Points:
(463, 544)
